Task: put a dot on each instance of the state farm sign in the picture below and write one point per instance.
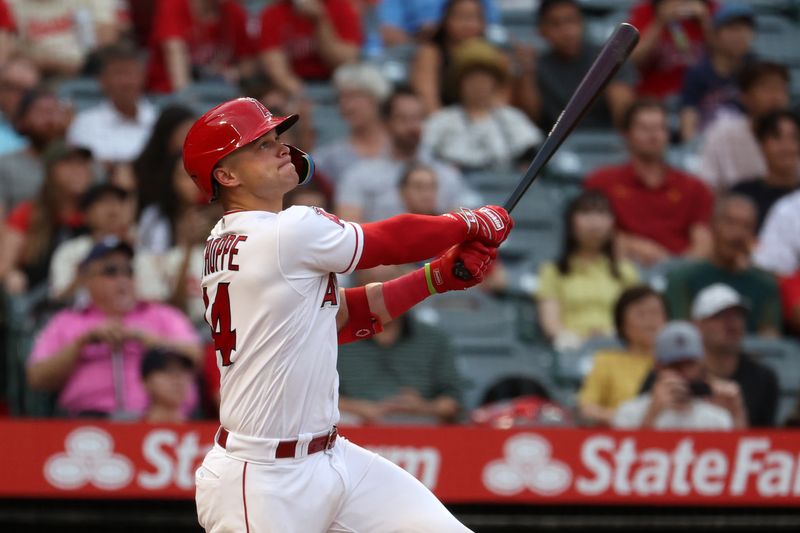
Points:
(621, 466)
(70, 459)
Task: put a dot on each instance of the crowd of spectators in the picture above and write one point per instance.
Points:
(666, 269)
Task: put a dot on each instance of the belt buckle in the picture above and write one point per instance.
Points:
(331, 435)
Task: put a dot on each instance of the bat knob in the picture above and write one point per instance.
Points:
(460, 271)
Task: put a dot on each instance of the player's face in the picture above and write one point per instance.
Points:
(264, 167)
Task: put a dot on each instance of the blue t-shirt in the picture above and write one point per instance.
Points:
(411, 15)
(10, 140)
(708, 92)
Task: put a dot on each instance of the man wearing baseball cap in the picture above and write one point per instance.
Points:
(720, 313)
(682, 397)
(92, 356)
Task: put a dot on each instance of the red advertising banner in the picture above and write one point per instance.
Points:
(78, 459)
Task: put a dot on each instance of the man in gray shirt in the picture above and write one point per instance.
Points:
(42, 119)
(368, 190)
(546, 83)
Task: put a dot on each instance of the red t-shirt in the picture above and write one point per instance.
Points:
(665, 214)
(679, 47)
(6, 19)
(21, 216)
(213, 43)
(282, 28)
(790, 296)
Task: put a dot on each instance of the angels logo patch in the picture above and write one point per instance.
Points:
(333, 218)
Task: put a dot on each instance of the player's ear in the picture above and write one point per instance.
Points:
(224, 177)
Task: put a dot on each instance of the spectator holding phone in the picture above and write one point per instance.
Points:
(683, 396)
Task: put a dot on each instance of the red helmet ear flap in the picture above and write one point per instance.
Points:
(303, 164)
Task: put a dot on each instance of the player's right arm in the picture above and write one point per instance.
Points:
(412, 238)
(364, 310)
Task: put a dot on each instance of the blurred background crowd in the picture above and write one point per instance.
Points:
(652, 279)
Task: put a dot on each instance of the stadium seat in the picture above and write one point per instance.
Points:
(320, 93)
(22, 326)
(782, 355)
(469, 316)
(481, 369)
(605, 6)
(585, 151)
(328, 124)
(777, 39)
(599, 29)
(202, 95)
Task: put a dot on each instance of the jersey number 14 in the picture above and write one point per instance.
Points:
(224, 336)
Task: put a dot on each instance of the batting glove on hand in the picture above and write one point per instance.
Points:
(489, 224)
(476, 257)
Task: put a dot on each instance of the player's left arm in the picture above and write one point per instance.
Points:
(364, 310)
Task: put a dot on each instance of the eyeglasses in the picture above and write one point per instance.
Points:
(112, 271)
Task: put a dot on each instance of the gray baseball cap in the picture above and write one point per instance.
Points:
(678, 341)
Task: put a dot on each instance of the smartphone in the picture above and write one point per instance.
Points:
(699, 388)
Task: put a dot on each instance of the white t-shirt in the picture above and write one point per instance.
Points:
(491, 142)
(778, 248)
(700, 415)
(110, 135)
(269, 280)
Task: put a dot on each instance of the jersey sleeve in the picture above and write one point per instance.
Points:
(312, 241)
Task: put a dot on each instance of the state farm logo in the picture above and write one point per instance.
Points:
(528, 463)
(89, 458)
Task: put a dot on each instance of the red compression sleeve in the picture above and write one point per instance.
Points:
(403, 293)
(408, 239)
(361, 321)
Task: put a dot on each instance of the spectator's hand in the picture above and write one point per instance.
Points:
(408, 401)
(567, 341)
(645, 252)
(489, 224)
(477, 259)
(728, 395)
(309, 8)
(670, 391)
(524, 57)
(696, 10)
(16, 282)
(111, 332)
(369, 412)
(671, 11)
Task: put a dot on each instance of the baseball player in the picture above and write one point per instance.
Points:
(276, 313)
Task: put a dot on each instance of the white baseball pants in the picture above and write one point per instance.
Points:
(345, 490)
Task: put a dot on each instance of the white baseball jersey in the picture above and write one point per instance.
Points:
(269, 284)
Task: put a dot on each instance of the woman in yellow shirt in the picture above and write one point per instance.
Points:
(577, 292)
(617, 375)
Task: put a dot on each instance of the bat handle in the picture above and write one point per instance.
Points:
(460, 271)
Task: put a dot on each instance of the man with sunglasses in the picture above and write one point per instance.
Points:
(92, 356)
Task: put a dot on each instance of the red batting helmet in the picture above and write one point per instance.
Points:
(230, 126)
